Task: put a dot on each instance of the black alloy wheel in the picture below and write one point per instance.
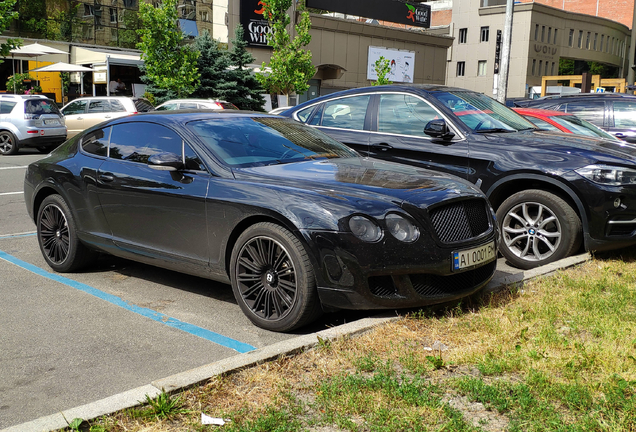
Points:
(537, 228)
(57, 237)
(8, 143)
(272, 278)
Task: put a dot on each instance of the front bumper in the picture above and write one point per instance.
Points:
(352, 274)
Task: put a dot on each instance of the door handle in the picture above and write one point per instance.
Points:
(619, 135)
(106, 177)
(381, 146)
(80, 118)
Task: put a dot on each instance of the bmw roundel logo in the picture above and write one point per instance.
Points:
(531, 231)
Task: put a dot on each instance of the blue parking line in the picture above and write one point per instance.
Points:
(148, 313)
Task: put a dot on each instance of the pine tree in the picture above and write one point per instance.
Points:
(213, 64)
(247, 91)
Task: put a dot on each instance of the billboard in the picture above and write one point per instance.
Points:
(397, 11)
(255, 26)
(402, 64)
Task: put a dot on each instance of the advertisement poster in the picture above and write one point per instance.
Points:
(256, 27)
(402, 64)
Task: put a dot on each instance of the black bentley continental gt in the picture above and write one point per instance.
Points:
(295, 221)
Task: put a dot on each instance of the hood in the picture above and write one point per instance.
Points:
(362, 178)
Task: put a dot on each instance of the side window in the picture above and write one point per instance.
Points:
(543, 125)
(98, 106)
(187, 105)
(346, 113)
(6, 107)
(77, 107)
(192, 160)
(594, 112)
(96, 142)
(167, 107)
(137, 141)
(117, 106)
(624, 114)
(304, 114)
(317, 118)
(404, 114)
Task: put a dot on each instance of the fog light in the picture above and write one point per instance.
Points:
(617, 203)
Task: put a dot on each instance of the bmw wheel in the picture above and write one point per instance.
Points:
(537, 228)
(273, 279)
(57, 237)
(8, 143)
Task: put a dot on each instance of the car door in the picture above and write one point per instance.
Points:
(98, 110)
(74, 116)
(623, 122)
(398, 135)
(155, 213)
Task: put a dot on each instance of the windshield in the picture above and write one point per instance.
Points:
(582, 127)
(481, 113)
(257, 141)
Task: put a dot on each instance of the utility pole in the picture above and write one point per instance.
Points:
(632, 52)
(502, 87)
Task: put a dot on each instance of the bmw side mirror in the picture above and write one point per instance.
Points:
(438, 129)
(166, 162)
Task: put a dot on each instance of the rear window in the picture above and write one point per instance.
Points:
(40, 106)
(143, 105)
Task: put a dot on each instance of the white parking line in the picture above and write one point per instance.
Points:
(14, 167)
(22, 234)
(11, 193)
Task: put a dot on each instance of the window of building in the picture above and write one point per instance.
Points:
(88, 10)
(534, 66)
(113, 15)
(113, 34)
(463, 35)
(542, 33)
(588, 40)
(482, 66)
(204, 16)
(552, 69)
(571, 38)
(602, 40)
(540, 66)
(595, 40)
(461, 68)
(555, 36)
(549, 34)
(580, 43)
(536, 32)
(485, 34)
(130, 3)
(546, 68)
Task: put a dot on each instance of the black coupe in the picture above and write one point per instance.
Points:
(294, 220)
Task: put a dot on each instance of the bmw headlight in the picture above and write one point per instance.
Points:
(401, 228)
(608, 175)
(365, 229)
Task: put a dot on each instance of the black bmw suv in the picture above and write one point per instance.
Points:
(553, 193)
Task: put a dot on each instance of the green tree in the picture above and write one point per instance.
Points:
(566, 66)
(212, 63)
(382, 68)
(127, 37)
(63, 23)
(290, 64)
(31, 19)
(246, 91)
(169, 65)
(7, 14)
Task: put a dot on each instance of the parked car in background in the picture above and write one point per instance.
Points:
(291, 218)
(82, 113)
(612, 112)
(29, 121)
(558, 121)
(200, 104)
(552, 192)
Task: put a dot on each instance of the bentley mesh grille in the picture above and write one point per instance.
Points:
(428, 285)
(461, 220)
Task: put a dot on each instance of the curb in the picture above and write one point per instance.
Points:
(191, 377)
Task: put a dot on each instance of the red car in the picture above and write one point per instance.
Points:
(562, 122)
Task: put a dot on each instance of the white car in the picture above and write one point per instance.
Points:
(85, 112)
(195, 104)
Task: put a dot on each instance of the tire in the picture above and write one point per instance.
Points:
(537, 228)
(57, 237)
(8, 143)
(273, 279)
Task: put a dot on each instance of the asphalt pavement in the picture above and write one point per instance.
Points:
(90, 343)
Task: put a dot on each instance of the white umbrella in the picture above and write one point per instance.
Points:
(33, 50)
(45, 49)
(62, 67)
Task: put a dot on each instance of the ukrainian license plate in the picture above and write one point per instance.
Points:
(475, 256)
(51, 122)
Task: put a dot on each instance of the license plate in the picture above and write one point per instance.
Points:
(51, 122)
(475, 256)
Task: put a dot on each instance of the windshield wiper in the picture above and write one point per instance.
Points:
(495, 130)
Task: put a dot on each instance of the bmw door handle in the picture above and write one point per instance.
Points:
(381, 146)
(108, 177)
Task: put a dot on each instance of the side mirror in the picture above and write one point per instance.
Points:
(438, 129)
(166, 162)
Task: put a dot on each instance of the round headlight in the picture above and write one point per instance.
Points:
(401, 228)
(365, 229)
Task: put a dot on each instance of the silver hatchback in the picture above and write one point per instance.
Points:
(30, 121)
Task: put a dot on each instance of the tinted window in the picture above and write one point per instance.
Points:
(138, 141)
(143, 105)
(167, 107)
(581, 127)
(96, 142)
(587, 110)
(404, 114)
(40, 106)
(625, 113)
(544, 125)
(98, 106)
(346, 113)
(227, 105)
(187, 105)
(76, 107)
(257, 141)
(192, 160)
(317, 118)
(6, 107)
(303, 115)
(117, 106)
